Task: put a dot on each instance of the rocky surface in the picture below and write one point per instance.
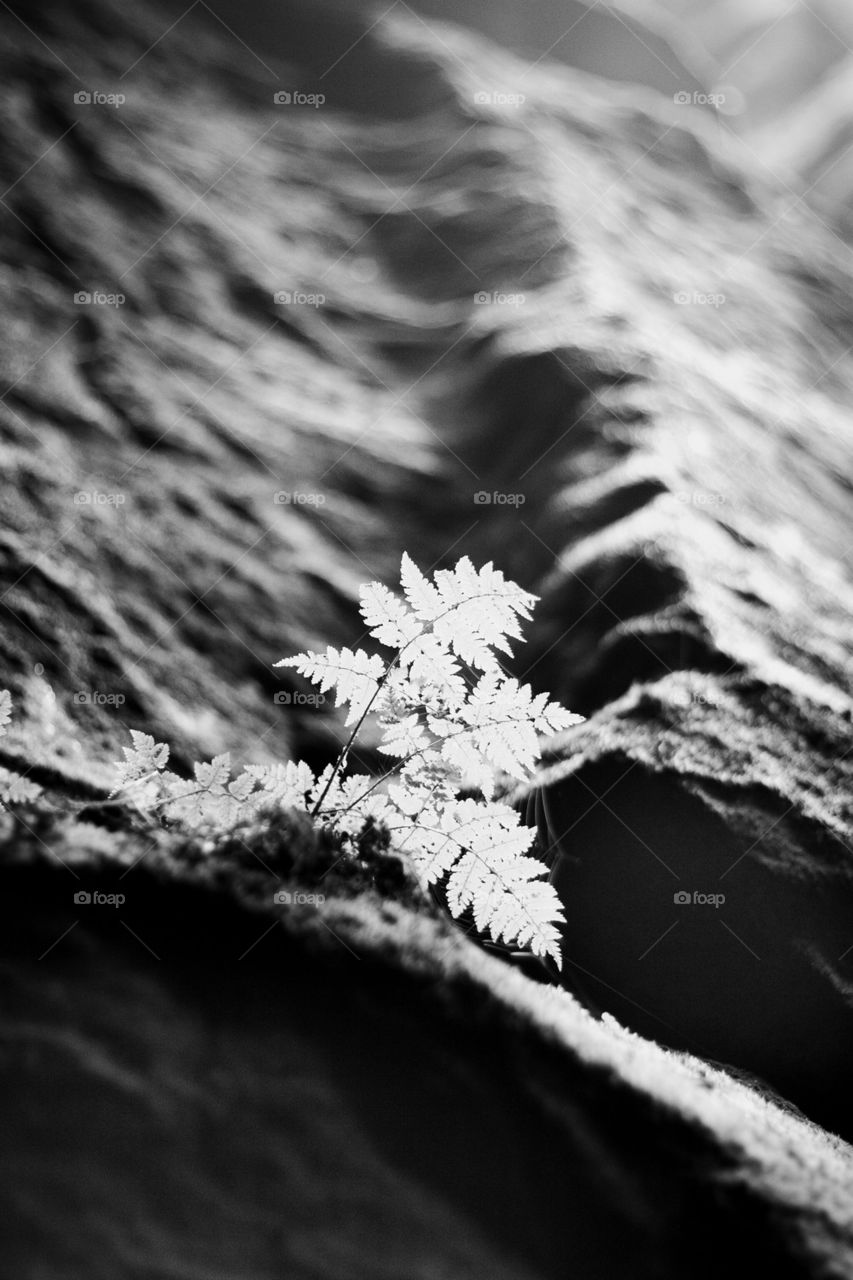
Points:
(634, 44)
(200, 1082)
(783, 75)
(638, 353)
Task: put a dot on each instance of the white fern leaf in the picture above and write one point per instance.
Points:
(406, 800)
(497, 713)
(353, 675)
(515, 906)
(205, 799)
(387, 616)
(433, 849)
(461, 754)
(326, 791)
(502, 885)
(215, 776)
(431, 667)
(16, 789)
(404, 737)
(551, 717)
(422, 596)
(286, 785)
(143, 760)
(243, 786)
(360, 800)
(472, 612)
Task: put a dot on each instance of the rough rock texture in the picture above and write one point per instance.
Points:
(193, 1089)
(654, 402)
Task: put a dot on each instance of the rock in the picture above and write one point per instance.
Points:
(779, 79)
(812, 143)
(185, 472)
(199, 1080)
(638, 46)
(707, 882)
(570, 335)
(769, 55)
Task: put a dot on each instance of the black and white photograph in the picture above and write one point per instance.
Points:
(426, 639)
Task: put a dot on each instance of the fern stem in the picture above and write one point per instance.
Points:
(401, 763)
(345, 749)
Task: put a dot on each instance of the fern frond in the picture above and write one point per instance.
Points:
(404, 737)
(481, 849)
(144, 760)
(452, 723)
(214, 777)
(387, 616)
(16, 789)
(353, 675)
(286, 785)
(471, 611)
(359, 801)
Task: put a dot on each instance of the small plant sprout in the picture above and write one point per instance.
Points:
(457, 731)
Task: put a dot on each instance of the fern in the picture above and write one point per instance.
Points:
(355, 676)
(14, 787)
(456, 729)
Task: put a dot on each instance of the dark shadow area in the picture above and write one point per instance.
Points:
(753, 980)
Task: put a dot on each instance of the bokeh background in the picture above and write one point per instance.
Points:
(781, 72)
(775, 75)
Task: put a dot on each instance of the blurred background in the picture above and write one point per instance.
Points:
(774, 73)
(779, 72)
